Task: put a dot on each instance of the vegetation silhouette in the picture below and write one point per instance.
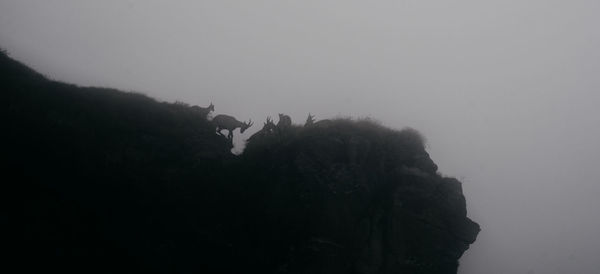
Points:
(310, 120)
(104, 181)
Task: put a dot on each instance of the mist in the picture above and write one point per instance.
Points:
(506, 92)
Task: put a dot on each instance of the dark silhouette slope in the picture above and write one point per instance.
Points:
(102, 181)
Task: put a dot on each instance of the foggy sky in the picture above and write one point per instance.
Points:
(505, 91)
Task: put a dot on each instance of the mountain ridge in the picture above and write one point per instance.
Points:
(108, 181)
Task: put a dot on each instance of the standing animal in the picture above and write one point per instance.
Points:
(229, 123)
(204, 111)
(284, 121)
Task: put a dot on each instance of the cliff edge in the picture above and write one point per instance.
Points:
(103, 181)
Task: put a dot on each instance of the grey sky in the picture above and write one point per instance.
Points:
(506, 92)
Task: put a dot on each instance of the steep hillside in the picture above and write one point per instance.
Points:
(102, 181)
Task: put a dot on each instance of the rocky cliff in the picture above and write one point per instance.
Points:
(368, 200)
(103, 181)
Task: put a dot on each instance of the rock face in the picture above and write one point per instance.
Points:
(370, 198)
(113, 182)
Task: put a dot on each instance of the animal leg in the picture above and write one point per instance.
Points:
(219, 131)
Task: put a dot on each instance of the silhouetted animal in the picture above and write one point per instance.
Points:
(229, 123)
(310, 120)
(204, 111)
(284, 121)
(269, 126)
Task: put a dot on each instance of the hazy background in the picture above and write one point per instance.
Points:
(506, 91)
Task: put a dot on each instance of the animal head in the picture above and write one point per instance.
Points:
(269, 122)
(211, 107)
(245, 125)
(269, 125)
(284, 120)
